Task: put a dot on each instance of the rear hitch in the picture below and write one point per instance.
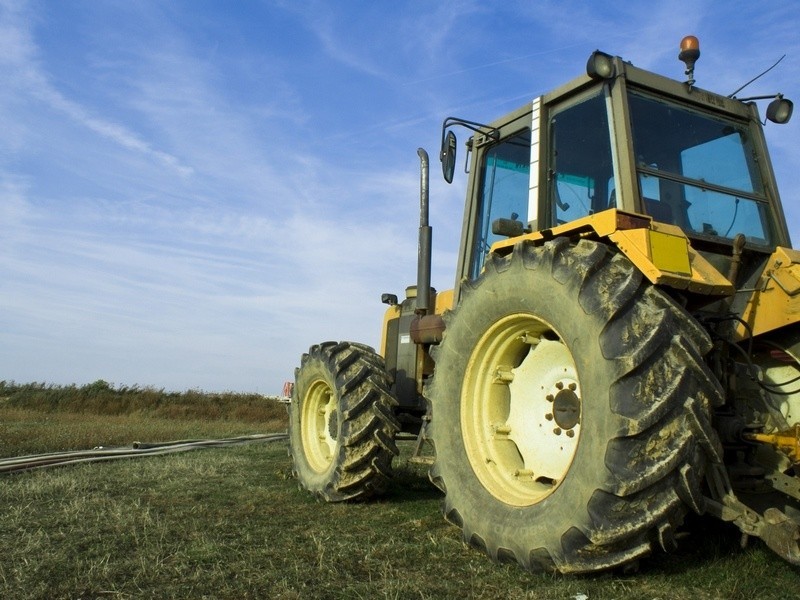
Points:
(779, 531)
(781, 534)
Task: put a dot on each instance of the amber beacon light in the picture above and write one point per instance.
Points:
(690, 52)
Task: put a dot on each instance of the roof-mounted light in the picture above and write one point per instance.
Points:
(600, 66)
(780, 110)
(690, 52)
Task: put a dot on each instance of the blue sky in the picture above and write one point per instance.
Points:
(193, 192)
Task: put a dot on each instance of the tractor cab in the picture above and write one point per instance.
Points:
(622, 138)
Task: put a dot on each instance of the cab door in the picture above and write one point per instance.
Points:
(499, 186)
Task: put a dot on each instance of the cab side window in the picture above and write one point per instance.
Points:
(581, 168)
(504, 192)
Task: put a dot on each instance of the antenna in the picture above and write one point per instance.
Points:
(733, 95)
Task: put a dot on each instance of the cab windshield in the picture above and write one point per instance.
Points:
(698, 171)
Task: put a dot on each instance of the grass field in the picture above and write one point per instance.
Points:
(231, 523)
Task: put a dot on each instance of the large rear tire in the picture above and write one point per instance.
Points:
(341, 422)
(570, 410)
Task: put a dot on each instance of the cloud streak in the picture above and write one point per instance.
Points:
(22, 66)
(192, 196)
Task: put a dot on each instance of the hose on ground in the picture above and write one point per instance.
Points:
(138, 449)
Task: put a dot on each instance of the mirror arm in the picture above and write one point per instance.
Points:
(447, 152)
(751, 98)
(493, 132)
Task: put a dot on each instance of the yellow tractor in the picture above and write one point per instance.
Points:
(621, 346)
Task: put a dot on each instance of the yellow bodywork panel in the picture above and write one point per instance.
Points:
(670, 252)
(393, 312)
(442, 301)
(775, 302)
(660, 251)
(655, 253)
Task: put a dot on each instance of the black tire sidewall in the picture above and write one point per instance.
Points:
(313, 369)
(361, 458)
(514, 289)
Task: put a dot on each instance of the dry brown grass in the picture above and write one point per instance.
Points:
(38, 418)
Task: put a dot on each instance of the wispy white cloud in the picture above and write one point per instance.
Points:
(21, 68)
(187, 204)
(326, 23)
(105, 128)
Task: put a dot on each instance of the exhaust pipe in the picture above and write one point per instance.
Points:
(425, 236)
(427, 327)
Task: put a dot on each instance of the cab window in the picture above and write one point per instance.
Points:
(581, 167)
(505, 185)
(698, 170)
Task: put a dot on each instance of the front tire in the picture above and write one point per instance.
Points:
(570, 410)
(341, 422)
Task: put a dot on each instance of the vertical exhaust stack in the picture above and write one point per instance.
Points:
(425, 236)
(427, 327)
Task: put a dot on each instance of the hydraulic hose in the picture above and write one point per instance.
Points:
(138, 449)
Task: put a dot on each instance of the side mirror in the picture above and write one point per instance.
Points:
(390, 299)
(448, 156)
(780, 110)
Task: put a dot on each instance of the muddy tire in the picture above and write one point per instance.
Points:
(570, 410)
(341, 424)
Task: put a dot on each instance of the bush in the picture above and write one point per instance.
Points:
(102, 398)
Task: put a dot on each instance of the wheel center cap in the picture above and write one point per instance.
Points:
(566, 409)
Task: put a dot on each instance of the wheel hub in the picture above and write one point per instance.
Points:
(521, 410)
(319, 425)
(545, 410)
(567, 408)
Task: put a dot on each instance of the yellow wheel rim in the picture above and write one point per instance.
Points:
(318, 424)
(521, 410)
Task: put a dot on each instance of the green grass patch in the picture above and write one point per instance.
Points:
(232, 523)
